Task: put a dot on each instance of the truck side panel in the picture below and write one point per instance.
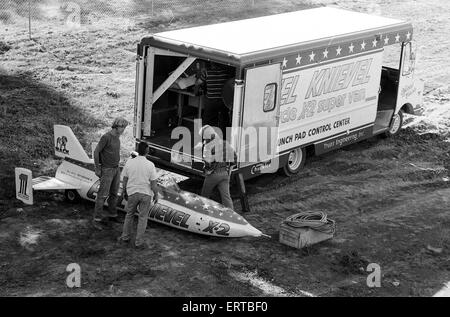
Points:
(323, 101)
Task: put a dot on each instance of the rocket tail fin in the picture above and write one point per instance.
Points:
(67, 144)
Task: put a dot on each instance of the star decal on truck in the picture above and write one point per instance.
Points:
(296, 60)
(350, 48)
(363, 45)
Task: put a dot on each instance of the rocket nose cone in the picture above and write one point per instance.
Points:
(253, 232)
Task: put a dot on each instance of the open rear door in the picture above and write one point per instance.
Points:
(260, 118)
(410, 90)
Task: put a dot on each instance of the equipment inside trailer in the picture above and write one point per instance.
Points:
(203, 91)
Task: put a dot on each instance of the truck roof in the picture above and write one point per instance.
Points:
(270, 37)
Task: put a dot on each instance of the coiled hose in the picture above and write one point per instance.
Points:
(316, 220)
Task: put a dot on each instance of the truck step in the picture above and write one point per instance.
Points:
(382, 121)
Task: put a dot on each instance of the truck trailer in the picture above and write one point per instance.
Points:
(314, 80)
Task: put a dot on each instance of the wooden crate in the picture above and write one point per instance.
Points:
(301, 237)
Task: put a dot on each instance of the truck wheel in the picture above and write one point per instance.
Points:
(295, 162)
(396, 124)
(71, 195)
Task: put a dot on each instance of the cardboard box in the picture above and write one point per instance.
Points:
(301, 237)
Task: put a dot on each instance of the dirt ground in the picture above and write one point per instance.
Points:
(389, 197)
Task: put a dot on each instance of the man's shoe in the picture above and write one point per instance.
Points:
(101, 223)
(97, 225)
(122, 241)
(142, 246)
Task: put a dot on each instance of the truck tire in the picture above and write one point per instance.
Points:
(71, 195)
(295, 162)
(395, 125)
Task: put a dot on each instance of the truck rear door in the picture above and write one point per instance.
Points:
(410, 89)
(260, 118)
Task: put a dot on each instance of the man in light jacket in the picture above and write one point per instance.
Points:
(139, 189)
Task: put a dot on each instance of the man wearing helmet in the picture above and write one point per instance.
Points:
(219, 158)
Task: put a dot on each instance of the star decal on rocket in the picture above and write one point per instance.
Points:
(338, 51)
(408, 35)
(298, 60)
(397, 38)
(311, 57)
(325, 53)
(284, 62)
(206, 205)
(386, 40)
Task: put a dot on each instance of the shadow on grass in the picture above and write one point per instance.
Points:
(28, 111)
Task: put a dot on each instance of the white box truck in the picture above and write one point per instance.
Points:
(321, 78)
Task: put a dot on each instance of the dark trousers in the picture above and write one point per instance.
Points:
(221, 179)
(109, 187)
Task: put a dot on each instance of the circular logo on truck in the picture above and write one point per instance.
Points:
(258, 168)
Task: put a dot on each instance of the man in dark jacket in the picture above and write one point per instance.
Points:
(106, 159)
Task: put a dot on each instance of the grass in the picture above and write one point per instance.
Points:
(30, 112)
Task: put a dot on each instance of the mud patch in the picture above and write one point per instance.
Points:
(4, 47)
(424, 175)
(4, 236)
(337, 168)
(384, 153)
(351, 263)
